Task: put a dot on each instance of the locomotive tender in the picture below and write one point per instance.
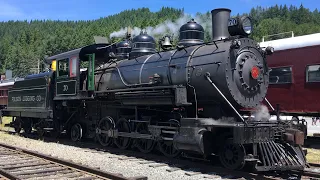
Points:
(186, 99)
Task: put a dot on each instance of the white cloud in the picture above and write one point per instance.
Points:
(10, 11)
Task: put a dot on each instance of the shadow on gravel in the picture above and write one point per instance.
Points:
(312, 142)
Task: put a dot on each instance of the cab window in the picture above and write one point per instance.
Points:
(63, 67)
(313, 73)
(73, 66)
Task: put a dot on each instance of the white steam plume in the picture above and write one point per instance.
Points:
(261, 113)
(167, 26)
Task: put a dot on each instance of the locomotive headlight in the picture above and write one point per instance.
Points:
(240, 26)
(247, 25)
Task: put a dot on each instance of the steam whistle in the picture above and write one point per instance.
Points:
(166, 42)
(128, 33)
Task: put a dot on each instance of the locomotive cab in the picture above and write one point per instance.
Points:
(72, 81)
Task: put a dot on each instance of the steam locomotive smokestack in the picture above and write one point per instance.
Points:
(220, 19)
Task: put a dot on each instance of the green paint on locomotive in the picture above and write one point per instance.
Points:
(91, 72)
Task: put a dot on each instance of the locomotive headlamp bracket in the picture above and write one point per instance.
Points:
(240, 26)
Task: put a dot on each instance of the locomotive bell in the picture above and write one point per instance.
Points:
(166, 42)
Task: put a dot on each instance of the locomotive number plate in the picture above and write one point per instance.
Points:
(66, 88)
(232, 22)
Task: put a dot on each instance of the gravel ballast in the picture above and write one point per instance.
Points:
(103, 160)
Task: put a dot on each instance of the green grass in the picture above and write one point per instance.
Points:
(313, 156)
(5, 120)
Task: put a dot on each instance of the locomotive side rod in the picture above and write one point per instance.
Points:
(234, 109)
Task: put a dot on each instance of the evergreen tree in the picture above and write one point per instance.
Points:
(23, 43)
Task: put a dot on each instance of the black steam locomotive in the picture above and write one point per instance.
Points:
(181, 100)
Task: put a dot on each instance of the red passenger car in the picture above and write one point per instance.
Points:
(295, 75)
(4, 86)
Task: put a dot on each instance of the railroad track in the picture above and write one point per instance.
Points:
(17, 163)
(197, 167)
(191, 166)
(3, 178)
(313, 138)
(311, 174)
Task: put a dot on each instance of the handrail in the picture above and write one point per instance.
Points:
(234, 109)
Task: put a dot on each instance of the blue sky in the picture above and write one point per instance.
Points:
(94, 9)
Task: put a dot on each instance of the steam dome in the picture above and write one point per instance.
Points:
(142, 44)
(123, 49)
(191, 33)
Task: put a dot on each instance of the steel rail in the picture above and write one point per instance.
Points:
(82, 168)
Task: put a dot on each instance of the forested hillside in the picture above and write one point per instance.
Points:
(23, 43)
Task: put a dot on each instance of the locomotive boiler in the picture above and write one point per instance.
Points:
(225, 74)
(185, 99)
(206, 84)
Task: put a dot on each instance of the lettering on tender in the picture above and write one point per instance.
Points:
(26, 98)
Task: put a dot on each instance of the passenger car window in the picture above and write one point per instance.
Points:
(281, 75)
(63, 67)
(313, 73)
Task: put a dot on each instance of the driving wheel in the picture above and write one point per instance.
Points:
(102, 130)
(123, 126)
(165, 145)
(144, 145)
